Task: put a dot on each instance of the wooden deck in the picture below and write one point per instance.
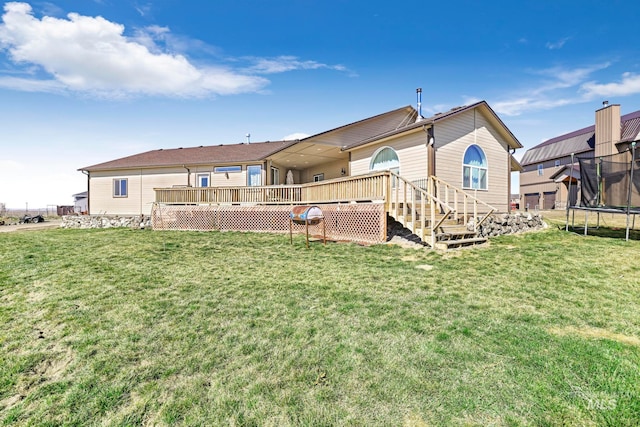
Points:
(424, 206)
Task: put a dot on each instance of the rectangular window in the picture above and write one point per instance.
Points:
(540, 170)
(466, 177)
(275, 176)
(227, 169)
(203, 180)
(482, 184)
(474, 178)
(120, 187)
(318, 177)
(557, 163)
(254, 175)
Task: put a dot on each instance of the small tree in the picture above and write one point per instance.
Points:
(3, 209)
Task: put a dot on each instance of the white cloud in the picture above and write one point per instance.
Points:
(629, 85)
(294, 136)
(32, 85)
(287, 63)
(91, 54)
(557, 44)
(517, 106)
(560, 86)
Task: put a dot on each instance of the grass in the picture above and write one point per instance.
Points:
(124, 327)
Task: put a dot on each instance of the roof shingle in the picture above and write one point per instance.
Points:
(229, 153)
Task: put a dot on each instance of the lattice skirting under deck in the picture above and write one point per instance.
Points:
(356, 222)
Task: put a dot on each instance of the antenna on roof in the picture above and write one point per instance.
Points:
(248, 138)
(419, 96)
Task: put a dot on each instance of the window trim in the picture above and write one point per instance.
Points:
(395, 169)
(477, 169)
(117, 188)
(249, 175)
(227, 169)
(275, 175)
(199, 177)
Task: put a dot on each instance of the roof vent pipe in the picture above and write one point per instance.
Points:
(248, 138)
(605, 103)
(419, 96)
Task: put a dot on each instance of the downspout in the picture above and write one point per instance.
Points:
(188, 175)
(431, 161)
(141, 189)
(513, 151)
(88, 191)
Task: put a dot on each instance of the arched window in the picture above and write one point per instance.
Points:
(474, 169)
(385, 159)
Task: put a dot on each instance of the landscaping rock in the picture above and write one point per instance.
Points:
(104, 221)
(499, 224)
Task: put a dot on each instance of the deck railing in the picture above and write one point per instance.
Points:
(369, 187)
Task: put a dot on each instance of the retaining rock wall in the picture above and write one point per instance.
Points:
(103, 221)
(499, 224)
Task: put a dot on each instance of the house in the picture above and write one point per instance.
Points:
(80, 202)
(468, 147)
(548, 167)
(461, 159)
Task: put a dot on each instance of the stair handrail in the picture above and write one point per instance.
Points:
(426, 195)
(434, 181)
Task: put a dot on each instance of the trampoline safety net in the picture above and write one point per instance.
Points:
(611, 182)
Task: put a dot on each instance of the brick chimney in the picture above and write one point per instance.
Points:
(607, 129)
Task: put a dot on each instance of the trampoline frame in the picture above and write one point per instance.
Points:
(628, 210)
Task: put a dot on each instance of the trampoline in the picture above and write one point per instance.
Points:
(609, 184)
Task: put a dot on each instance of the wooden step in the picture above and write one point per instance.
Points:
(455, 235)
(458, 243)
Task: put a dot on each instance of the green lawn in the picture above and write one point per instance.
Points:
(123, 327)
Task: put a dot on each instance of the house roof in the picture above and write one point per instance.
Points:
(369, 128)
(328, 145)
(580, 141)
(430, 121)
(230, 153)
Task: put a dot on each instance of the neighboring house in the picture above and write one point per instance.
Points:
(547, 167)
(467, 147)
(81, 202)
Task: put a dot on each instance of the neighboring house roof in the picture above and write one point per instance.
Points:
(195, 155)
(630, 127)
(82, 195)
(579, 141)
(564, 172)
(511, 139)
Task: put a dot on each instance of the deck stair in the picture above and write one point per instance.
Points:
(435, 211)
(448, 239)
(441, 222)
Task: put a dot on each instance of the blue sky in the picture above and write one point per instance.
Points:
(87, 82)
